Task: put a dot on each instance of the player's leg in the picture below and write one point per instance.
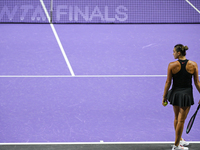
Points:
(182, 115)
(176, 113)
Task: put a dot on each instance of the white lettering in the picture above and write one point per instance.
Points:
(38, 11)
(59, 13)
(124, 14)
(96, 13)
(70, 13)
(106, 15)
(26, 9)
(10, 14)
(78, 11)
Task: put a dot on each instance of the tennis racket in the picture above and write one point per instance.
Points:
(190, 123)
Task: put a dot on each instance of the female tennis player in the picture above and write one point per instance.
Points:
(181, 94)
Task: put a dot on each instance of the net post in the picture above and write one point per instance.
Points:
(51, 12)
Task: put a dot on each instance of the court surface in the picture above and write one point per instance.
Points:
(114, 94)
(98, 84)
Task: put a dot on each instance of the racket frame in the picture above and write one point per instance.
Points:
(190, 123)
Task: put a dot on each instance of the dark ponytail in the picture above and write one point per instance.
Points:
(182, 49)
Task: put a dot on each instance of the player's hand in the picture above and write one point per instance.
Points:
(199, 102)
(164, 101)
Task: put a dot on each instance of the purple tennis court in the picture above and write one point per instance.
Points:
(90, 83)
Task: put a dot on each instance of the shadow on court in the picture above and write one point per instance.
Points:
(193, 146)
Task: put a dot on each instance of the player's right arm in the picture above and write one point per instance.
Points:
(196, 77)
(167, 83)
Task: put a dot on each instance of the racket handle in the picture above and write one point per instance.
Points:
(198, 107)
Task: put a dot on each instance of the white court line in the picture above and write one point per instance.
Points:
(192, 6)
(82, 76)
(78, 76)
(58, 39)
(77, 143)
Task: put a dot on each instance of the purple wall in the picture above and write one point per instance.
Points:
(100, 11)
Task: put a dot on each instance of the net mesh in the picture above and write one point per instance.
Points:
(100, 11)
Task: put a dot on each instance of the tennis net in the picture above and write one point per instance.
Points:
(100, 11)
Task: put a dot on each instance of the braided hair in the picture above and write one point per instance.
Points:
(181, 48)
